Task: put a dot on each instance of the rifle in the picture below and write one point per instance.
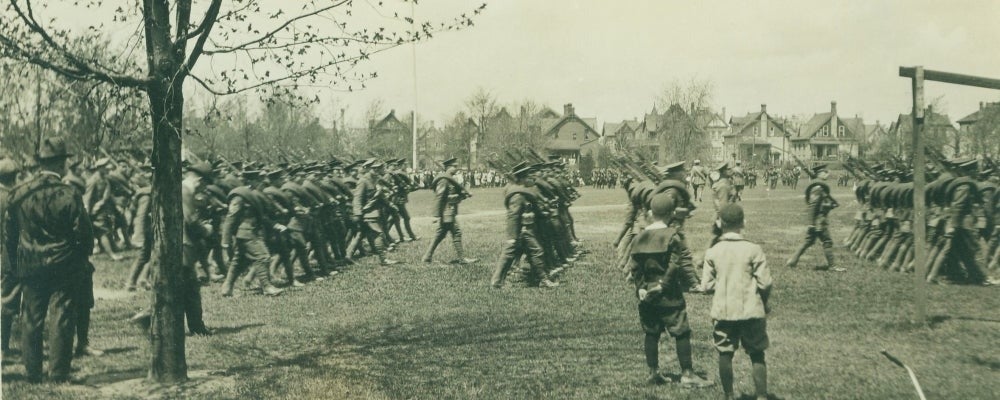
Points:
(809, 171)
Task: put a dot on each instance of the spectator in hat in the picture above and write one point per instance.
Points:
(48, 238)
(661, 269)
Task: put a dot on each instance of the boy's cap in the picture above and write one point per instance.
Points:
(662, 204)
(731, 215)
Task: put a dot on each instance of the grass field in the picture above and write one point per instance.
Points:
(437, 331)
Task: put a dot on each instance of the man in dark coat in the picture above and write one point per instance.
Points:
(48, 239)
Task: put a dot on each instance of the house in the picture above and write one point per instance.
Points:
(937, 130)
(565, 135)
(616, 135)
(874, 133)
(981, 125)
(390, 137)
(756, 137)
(827, 136)
(716, 127)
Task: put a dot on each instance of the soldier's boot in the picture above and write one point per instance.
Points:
(409, 230)
(429, 255)
(6, 323)
(83, 334)
(896, 263)
(227, 284)
(460, 253)
(133, 275)
(264, 277)
(830, 262)
(935, 263)
(108, 249)
(888, 254)
(794, 260)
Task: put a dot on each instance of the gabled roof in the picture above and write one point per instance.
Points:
(975, 116)
(611, 128)
(651, 122)
(931, 118)
(814, 124)
(855, 127)
(390, 122)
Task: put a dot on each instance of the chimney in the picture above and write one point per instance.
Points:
(763, 108)
(833, 107)
(568, 109)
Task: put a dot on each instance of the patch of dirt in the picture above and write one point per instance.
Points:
(199, 385)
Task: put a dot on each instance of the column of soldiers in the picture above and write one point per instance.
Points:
(962, 234)
(605, 178)
(539, 226)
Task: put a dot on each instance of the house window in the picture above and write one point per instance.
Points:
(574, 135)
(825, 131)
(840, 131)
(771, 131)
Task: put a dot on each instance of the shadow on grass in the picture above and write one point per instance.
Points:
(120, 350)
(227, 330)
(936, 320)
(993, 365)
(116, 376)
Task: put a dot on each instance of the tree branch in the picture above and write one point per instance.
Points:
(275, 31)
(211, 16)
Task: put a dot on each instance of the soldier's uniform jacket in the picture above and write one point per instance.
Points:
(964, 203)
(447, 194)
(522, 208)
(818, 205)
(4, 199)
(737, 176)
(403, 187)
(660, 256)
(193, 205)
(365, 203)
(723, 193)
(698, 175)
(638, 192)
(47, 228)
(248, 216)
(678, 192)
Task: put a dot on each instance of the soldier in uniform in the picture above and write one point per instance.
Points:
(48, 239)
(366, 208)
(448, 193)
(698, 177)
(403, 185)
(738, 179)
(522, 204)
(818, 205)
(196, 234)
(723, 194)
(101, 205)
(960, 242)
(673, 185)
(11, 289)
(249, 222)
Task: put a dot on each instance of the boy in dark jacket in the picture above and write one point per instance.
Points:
(661, 270)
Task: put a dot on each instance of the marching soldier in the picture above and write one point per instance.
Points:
(698, 177)
(673, 185)
(522, 204)
(403, 185)
(244, 230)
(738, 179)
(819, 203)
(48, 239)
(722, 194)
(366, 207)
(448, 193)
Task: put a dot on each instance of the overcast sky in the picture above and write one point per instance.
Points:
(610, 58)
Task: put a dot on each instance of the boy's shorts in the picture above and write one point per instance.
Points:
(658, 319)
(752, 333)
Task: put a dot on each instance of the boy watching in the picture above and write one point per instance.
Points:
(661, 270)
(736, 270)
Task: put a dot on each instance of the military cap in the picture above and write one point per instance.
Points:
(819, 168)
(276, 173)
(372, 163)
(697, 162)
(352, 165)
(201, 168)
(238, 165)
(738, 162)
(52, 148)
(674, 167)
(722, 167)
(8, 167)
(250, 174)
(449, 162)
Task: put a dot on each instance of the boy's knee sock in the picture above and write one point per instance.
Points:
(684, 352)
(759, 374)
(652, 348)
(726, 372)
